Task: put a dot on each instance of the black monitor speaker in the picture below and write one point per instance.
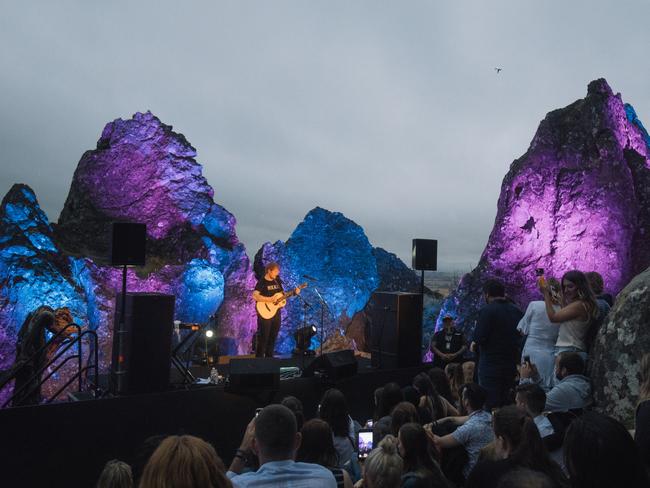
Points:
(395, 329)
(128, 244)
(334, 365)
(425, 254)
(141, 357)
(254, 374)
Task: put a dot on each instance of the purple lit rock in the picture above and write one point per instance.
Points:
(143, 171)
(579, 198)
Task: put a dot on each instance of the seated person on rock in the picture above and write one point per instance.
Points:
(573, 390)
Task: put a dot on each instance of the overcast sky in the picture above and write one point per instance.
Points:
(390, 112)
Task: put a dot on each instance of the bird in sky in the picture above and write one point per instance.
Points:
(498, 70)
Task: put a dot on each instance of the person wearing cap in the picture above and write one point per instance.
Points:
(448, 344)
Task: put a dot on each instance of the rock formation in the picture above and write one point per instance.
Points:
(142, 171)
(33, 271)
(334, 250)
(621, 342)
(579, 198)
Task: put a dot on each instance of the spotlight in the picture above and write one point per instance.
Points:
(303, 340)
(209, 333)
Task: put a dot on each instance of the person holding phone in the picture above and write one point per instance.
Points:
(540, 333)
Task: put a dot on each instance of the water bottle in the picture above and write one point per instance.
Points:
(214, 376)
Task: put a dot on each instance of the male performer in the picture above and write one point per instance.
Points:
(267, 329)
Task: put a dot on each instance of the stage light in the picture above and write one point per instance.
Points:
(209, 333)
(303, 340)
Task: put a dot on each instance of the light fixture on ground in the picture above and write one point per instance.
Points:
(303, 340)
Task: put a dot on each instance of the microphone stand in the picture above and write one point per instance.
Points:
(322, 317)
(305, 306)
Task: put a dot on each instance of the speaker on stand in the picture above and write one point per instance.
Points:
(425, 258)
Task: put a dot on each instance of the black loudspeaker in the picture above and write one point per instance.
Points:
(128, 244)
(395, 329)
(254, 374)
(334, 365)
(141, 357)
(425, 254)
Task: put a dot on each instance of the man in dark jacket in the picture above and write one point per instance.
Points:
(497, 342)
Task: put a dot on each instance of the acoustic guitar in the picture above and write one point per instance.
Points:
(267, 310)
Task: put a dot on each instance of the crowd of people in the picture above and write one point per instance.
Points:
(512, 407)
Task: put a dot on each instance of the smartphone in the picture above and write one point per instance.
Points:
(539, 271)
(365, 443)
(257, 411)
(527, 359)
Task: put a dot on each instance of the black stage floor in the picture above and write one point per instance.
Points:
(67, 444)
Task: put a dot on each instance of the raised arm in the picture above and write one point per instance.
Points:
(575, 310)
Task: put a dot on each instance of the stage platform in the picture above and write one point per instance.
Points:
(67, 444)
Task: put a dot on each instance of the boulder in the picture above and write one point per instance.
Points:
(143, 171)
(33, 272)
(579, 198)
(622, 340)
(334, 250)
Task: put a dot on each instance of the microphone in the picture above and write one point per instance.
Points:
(309, 277)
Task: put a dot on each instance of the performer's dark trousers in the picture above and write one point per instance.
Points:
(267, 333)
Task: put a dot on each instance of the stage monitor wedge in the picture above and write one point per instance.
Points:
(425, 254)
(254, 374)
(128, 244)
(334, 365)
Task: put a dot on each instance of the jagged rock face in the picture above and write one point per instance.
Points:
(142, 171)
(578, 199)
(33, 271)
(334, 250)
(621, 342)
(394, 274)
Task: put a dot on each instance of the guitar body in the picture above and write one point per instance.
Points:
(267, 310)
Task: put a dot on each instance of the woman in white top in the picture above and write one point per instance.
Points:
(579, 311)
(541, 335)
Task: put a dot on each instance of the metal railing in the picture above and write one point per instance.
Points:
(82, 371)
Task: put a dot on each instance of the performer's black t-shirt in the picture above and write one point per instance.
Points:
(269, 288)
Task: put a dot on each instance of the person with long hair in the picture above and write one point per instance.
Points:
(334, 411)
(541, 334)
(642, 417)
(420, 469)
(599, 452)
(430, 400)
(454, 372)
(391, 395)
(441, 382)
(404, 413)
(182, 461)
(580, 310)
(383, 466)
(518, 445)
(295, 405)
(317, 447)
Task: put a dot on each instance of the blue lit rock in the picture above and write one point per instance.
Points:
(334, 250)
(33, 271)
